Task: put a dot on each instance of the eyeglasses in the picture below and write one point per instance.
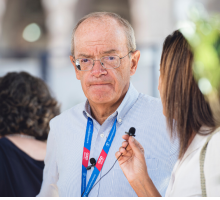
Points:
(108, 62)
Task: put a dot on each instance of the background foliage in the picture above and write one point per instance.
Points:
(203, 34)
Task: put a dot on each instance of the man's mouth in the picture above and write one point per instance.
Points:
(99, 84)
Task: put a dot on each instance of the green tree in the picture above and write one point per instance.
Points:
(203, 35)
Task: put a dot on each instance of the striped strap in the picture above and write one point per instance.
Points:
(202, 161)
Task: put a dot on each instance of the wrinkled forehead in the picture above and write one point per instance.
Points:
(99, 33)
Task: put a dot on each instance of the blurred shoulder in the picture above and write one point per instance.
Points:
(149, 99)
(213, 149)
(213, 145)
(150, 103)
(3, 142)
(6, 148)
(68, 115)
(211, 166)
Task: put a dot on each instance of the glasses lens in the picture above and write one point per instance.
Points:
(84, 64)
(110, 62)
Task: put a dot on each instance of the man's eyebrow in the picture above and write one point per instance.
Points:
(109, 51)
(104, 52)
(84, 55)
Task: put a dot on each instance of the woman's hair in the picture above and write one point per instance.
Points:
(26, 105)
(185, 106)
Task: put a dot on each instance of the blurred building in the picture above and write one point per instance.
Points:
(35, 37)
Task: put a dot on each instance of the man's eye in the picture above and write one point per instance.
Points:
(111, 58)
(85, 60)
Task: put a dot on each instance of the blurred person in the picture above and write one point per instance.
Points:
(194, 126)
(104, 56)
(26, 108)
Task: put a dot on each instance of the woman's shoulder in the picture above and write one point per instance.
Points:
(5, 144)
(213, 147)
(7, 150)
(24, 147)
(212, 163)
(214, 143)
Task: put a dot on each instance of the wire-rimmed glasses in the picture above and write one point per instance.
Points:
(108, 62)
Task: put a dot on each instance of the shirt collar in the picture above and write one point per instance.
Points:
(128, 101)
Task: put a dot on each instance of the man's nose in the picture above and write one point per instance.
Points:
(98, 69)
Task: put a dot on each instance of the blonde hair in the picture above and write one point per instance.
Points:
(131, 44)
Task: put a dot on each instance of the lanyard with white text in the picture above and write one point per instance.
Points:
(86, 152)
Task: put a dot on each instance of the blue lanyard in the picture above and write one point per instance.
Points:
(86, 152)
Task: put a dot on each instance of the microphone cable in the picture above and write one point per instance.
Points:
(105, 173)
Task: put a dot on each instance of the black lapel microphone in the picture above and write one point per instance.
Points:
(131, 132)
(93, 163)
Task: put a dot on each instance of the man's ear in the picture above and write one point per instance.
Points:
(134, 62)
(76, 70)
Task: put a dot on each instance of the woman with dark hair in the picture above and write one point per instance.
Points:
(26, 107)
(189, 118)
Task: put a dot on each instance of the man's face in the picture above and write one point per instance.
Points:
(94, 39)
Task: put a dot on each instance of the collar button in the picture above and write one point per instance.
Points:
(102, 135)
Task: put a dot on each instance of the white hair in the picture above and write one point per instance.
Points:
(131, 44)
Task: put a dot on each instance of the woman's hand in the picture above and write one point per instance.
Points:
(133, 165)
(132, 161)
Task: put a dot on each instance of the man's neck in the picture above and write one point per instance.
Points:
(100, 112)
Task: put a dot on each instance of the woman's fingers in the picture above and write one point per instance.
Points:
(126, 150)
(122, 150)
(131, 139)
(136, 146)
(124, 144)
(125, 137)
(117, 154)
(120, 156)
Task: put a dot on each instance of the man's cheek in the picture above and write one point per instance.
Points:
(78, 76)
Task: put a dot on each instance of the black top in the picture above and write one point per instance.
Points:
(20, 175)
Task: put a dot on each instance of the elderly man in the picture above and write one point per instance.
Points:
(105, 57)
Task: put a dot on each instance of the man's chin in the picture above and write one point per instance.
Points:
(100, 93)
(101, 98)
